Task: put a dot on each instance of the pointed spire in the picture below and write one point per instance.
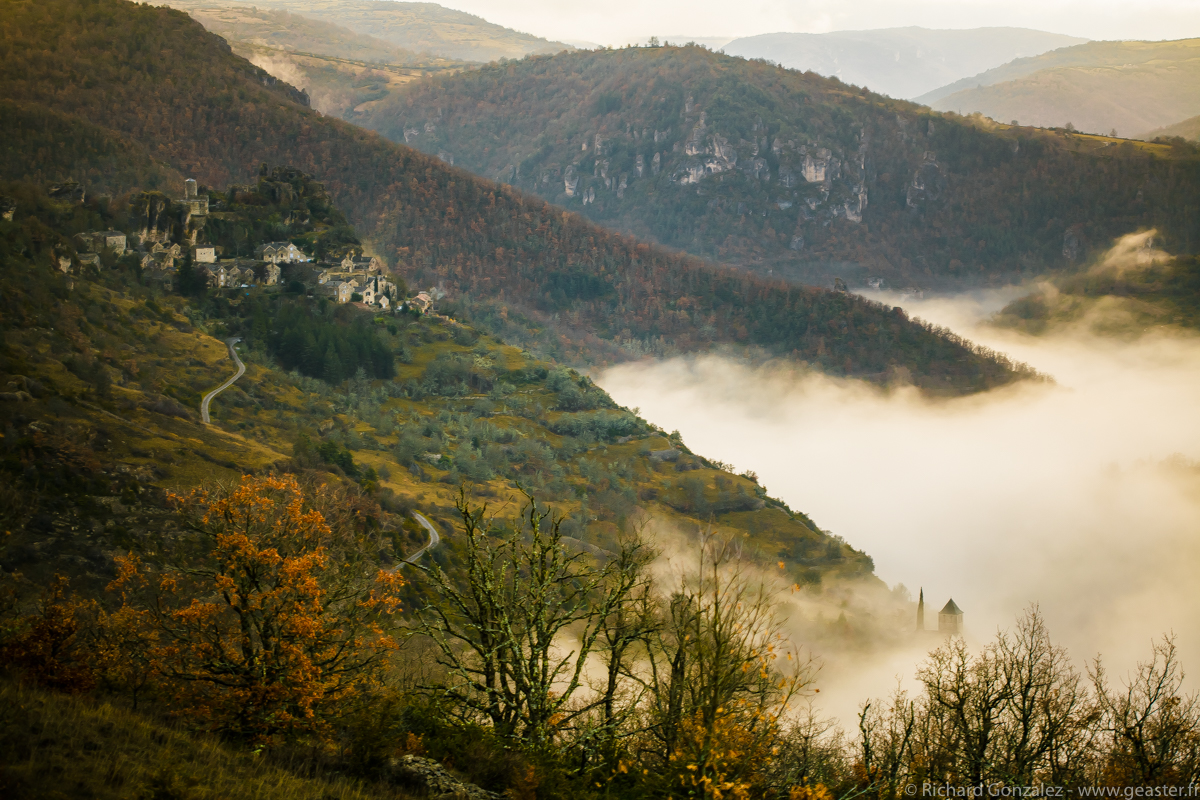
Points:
(921, 611)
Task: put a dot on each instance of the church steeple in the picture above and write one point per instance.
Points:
(921, 611)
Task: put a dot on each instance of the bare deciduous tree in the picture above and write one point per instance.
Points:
(501, 632)
(1154, 730)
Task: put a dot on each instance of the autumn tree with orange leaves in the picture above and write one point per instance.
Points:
(272, 612)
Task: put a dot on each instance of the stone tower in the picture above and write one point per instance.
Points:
(950, 619)
(921, 611)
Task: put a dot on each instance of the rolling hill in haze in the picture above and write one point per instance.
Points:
(789, 174)
(1188, 129)
(1130, 87)
(899, 62)
(419, 27)
(113, 80)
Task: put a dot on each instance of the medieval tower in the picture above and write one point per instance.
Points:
(950, 618)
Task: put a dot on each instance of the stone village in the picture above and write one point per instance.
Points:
(355, 278)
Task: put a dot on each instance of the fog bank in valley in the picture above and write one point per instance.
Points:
(1081, 495)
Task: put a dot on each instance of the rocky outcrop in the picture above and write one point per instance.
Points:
(435, 781)
(927, 183)
(1073, 244)
(814, 169)
(571, 181)
(857, 202)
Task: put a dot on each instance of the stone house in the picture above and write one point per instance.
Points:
(338, 291)
(204, 254)
(271, 274)
(105, 240)
(361, 264)
(276, 252)
(368, 293)
(239, 276)
(216, 276)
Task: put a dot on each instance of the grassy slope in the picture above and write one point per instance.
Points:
(283, 30)
(96, 446)
(423, 28)
(344, 72)
(54, 746)
(1098, 86)
(995, 206)
(153, 76)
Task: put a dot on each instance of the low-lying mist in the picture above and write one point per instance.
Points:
(1080, 496)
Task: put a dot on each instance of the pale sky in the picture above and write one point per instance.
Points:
(618, 22)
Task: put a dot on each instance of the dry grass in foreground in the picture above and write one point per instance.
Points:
(57, 746)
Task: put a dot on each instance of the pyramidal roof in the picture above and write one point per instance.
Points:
(951, 608)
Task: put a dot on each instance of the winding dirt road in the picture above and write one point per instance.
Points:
(241, 370)
(434, 538)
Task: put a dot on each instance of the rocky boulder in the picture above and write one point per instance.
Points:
(428, 776)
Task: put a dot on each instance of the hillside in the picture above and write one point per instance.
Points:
(1188, 129)
(541, 278)
(426, 28)
(1134, 289)
(105, 751)
(898, 62)
(341, 71)
(791, 175)
(1129, 87)
(284, 30)
(102, 369)
(105, 370)
(151, 645)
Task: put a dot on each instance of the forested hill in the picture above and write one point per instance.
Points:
(792, 174)
(166, 92)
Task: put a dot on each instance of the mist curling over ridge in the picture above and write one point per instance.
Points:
(1082, 496)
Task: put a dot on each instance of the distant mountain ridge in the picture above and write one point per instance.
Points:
(898, 62)
(1131, 86)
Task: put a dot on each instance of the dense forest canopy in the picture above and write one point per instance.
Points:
(792, 174)
(550, 280)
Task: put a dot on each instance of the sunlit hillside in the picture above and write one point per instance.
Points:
(1129, 87)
